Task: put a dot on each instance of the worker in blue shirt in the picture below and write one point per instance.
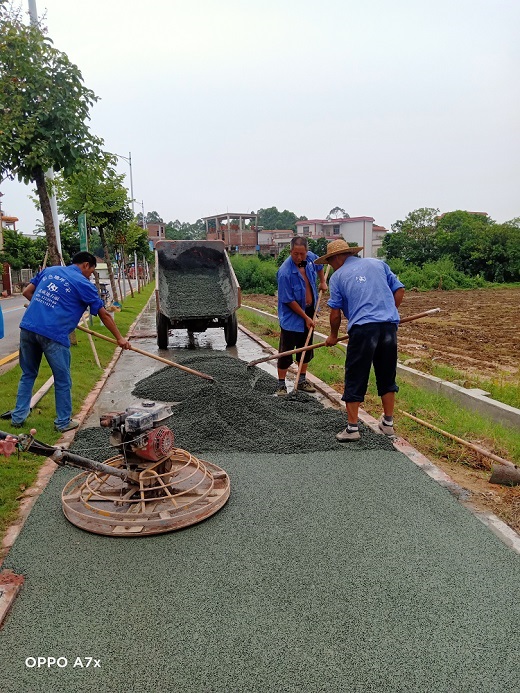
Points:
(1, 323)
(58, 298)
(368, 293)
(297, 297)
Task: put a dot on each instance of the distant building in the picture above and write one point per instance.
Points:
(6, 280)
(156, 232)
(360, 230)
(239, 231)
(272, 242)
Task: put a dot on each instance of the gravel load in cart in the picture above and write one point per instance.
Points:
(196, 288)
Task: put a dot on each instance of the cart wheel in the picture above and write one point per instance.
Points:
(231, 330)
(162, 331)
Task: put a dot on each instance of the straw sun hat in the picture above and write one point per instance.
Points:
(338, 247)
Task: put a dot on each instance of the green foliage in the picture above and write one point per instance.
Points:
(476, 245)
(255, 276)
(44, 104)
(338, 213)
(270, 219)
(44, 108)
(183, 230)
(441, 274)
(21, 251)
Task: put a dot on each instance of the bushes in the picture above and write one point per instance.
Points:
(255, 275)
(441, 274)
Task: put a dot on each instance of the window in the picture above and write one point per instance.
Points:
(305, 230)
(335, 230)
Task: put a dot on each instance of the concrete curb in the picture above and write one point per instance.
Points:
(469, 398)
(499, 528)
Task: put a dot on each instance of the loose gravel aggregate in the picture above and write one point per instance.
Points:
(238, 411)
(196, 292)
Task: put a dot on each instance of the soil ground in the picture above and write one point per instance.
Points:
(475, 332)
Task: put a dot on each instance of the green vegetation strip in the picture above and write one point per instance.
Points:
(18, 473)
(328, 365)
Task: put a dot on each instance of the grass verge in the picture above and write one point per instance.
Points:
(17, 473)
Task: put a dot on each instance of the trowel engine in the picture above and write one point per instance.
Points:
(139, 433)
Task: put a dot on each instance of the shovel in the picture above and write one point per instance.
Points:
(340, 339)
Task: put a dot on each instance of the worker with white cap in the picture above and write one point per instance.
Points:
(368, 293)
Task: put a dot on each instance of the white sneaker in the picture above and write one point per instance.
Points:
(347, 435)
(385, 428)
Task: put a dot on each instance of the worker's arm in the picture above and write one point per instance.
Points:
(29, 291)
(398, 297)
(323, 282)
(295, 307)
(108, 322)
(335, 324)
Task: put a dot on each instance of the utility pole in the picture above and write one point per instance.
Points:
(49, 175)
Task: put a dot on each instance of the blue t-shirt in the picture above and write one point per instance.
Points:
(363, 288)
(291, 287)
(61, 297)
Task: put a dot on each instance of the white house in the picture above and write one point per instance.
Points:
(360, 230)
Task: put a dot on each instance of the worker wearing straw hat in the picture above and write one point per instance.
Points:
(368, 293)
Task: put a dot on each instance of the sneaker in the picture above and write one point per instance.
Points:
(69, 427)
(347, 435)
(385, 428)
(282, 391)
(306, 387)
(17, 425)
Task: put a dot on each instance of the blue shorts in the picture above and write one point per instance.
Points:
(372, 343)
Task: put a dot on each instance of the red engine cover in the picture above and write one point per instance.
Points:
(159, 444)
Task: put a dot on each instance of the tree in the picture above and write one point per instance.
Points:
(183, 230)
(44, 107)
(153, 218)
(98, 190)
(21, 251)
(414, 239)
(338, 213)
(271, 219)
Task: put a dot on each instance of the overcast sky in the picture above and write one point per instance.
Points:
(376, 106)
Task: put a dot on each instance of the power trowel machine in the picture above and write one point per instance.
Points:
(149, 487)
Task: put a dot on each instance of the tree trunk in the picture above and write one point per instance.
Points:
(50, 231)
(127, 276)
(109, 263)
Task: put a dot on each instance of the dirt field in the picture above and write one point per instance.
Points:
(476, 331)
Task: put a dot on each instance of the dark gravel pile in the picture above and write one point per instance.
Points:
(201, 292)
(238, 412)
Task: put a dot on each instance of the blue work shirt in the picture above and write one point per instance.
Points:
(291, 287)
(363, 288)
(61, 297)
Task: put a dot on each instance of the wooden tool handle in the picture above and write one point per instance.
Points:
(147, 353)
(340, 339)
